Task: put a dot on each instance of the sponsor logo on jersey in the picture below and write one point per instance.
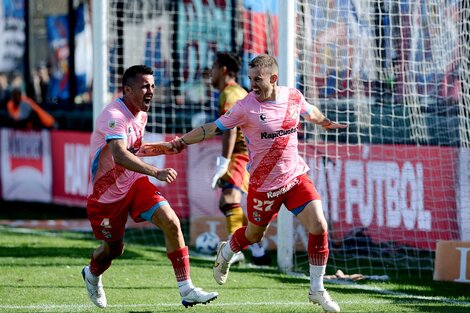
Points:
(282, 190)
(278, 133)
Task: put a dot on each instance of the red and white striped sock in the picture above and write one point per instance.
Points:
(317, 257)
(237, 243)
(180, 261)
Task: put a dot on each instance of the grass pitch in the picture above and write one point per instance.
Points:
(40, 272)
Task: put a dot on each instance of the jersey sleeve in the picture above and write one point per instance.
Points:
(305, 107)
(232, 118)
(113, 127)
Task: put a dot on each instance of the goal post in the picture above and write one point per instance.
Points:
(286, 61)
(100, 57)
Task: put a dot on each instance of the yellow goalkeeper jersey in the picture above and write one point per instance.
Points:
(228, 97)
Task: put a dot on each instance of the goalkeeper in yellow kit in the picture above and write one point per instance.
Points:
(230, 173)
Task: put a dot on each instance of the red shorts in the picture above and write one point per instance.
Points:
(108, 220)
(236, 175)
(262, 207)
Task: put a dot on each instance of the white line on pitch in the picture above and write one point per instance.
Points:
(379, 290)
(80, 307)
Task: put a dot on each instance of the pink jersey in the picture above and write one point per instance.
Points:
(110, 182)
(270, 129)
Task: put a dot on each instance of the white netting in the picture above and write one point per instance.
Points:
(397, 71)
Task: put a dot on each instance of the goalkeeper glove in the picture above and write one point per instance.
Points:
(220, 170)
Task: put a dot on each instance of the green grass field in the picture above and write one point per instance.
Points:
(40, 272)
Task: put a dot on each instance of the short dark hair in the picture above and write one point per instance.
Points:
(264, 61)
(132, 72)
(230, 60)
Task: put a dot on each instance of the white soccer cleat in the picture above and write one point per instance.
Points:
(324, 300)
(95, 291)
(197, 296)
(238, 257)
(221, 266)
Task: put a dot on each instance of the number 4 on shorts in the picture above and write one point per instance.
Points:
(105, 223)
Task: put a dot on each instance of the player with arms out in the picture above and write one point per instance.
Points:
(269, 117)
(231, 174)
(119, 186)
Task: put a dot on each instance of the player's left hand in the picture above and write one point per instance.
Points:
(220, 169)
(334, 125)
(167, 175)
(154, 149)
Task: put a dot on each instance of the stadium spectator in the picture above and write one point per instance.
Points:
(230, 172)
(119, 186)
(25, 113)
(4, 90)
(41, 83)
(269, 117)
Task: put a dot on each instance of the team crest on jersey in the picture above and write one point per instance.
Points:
(129, 130)
(111, 123)
(263, 118)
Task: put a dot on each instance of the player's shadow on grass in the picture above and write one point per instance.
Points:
(52, 252)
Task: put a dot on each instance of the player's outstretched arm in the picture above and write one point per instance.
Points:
(317, 117)
(155, 149)
(196, 135)
(333, 125)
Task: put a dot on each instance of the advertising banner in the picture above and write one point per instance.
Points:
(464, 194)
(71, 167)
(12, 34)
(26, 165)
(57, 27)
(402, 194)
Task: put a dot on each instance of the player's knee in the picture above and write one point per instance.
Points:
(254, 238)
(116, 250)
(318, 227)
(171, 226)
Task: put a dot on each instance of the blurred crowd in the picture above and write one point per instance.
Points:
(20, 111)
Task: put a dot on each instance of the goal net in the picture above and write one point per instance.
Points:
(396, 71)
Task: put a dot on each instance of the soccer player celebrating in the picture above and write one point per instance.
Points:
(119, 186)
(230, 173)
(269, 117)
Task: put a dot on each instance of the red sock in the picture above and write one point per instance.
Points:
(97, 268)
(239, 241)
(180, 261)
(318, 249)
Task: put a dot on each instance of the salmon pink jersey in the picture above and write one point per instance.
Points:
(270, 130)
(110, 182)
